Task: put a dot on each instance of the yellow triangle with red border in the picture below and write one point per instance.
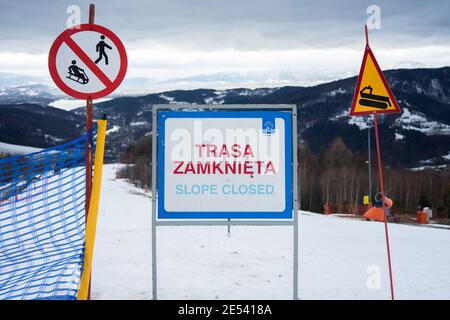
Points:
(372, 92)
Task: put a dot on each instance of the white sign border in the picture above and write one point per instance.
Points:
(286, 213)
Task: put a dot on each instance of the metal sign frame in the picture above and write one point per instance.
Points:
(225, 222)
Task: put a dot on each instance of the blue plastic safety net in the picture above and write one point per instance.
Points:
(42, 222)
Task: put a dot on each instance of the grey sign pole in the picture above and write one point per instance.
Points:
(154, 165)
(295, 200)
(369, 165)
(237, 222)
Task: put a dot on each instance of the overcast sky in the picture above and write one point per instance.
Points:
(166, 39)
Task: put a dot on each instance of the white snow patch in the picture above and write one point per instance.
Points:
(418, 122)
(361, 122)
(257, 92)
(333, 93)
(31, 93)
(220, 94)
(218, 99)
(70, 104)
(115, 128)
(343, 114)
(428, 161)
(429, 167)
(211, 100)
(447, 156)
(139, 123)
(399, 136)
(15, 149)
(53, 139)
(167, 98)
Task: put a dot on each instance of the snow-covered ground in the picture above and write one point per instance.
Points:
(339, 257)
(71, 104)
(417, 121)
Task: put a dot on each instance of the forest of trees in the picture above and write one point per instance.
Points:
(137, 158)
(335, 176)
(339, 177)
(5, 155)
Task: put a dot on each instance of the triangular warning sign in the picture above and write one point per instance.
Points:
(372, 93)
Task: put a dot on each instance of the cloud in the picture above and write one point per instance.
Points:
(23, 63)
(169, 39)
(237, 24)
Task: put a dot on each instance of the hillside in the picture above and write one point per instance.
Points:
(420, 133)
(419, 136)
(36, 126)
(337, 256)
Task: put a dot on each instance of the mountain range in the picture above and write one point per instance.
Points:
(418, 137)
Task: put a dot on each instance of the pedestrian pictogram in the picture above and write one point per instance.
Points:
(100, 48)
(372, 93)
(87, 61)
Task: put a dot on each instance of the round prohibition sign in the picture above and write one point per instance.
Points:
(87, 61)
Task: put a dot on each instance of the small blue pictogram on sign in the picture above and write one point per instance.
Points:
(268, 124)
(268, 128)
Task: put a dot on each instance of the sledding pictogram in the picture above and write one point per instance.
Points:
(77, 74)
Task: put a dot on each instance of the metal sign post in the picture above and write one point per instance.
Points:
(383, 198)
(154, 197)
(89, 124)
(373, 96)
(87, 62)
(287, 215)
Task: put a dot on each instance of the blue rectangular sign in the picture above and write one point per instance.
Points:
(224, 165)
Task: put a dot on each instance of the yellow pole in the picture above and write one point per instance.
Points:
(91, 222)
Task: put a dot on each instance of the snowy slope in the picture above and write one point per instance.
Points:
(122, 256)
(41, 233)
(256, 262)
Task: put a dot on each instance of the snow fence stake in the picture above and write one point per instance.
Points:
(91, 223)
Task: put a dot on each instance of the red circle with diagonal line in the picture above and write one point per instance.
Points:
(66, 38)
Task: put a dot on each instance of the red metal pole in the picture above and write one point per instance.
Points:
(380, 172)
(91, 13)
(89, 125)
(89, 121)
(367, 35)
